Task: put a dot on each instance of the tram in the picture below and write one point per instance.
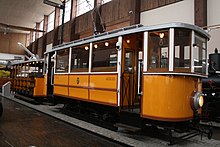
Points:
(27, 79)
(133, 76)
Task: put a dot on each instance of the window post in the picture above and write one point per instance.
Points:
(171, 49)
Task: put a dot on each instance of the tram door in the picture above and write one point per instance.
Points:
(50, 74)
(130, 81)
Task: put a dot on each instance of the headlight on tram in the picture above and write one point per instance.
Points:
(196, 100)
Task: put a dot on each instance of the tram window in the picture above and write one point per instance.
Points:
(62, 61)
(24, 71)
(36, 69)
(104, 56)
(199, 54)
(158, 51)
(18, 70)
(80, 58)
(129, 56)
(182, 49)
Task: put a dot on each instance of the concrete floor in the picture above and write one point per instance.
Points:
(21, 126)
(35, 124)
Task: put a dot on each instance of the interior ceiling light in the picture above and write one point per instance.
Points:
(161, 35)
(95, 46)
(106, 44)
(86, 47)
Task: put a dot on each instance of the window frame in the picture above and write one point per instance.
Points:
(82, 47)
(66, 69)
(182, 69)
(105, 68)
(149, 52)
(50, 23)
(68, 8)
(80, 7)
(41, 27)
(200, 51)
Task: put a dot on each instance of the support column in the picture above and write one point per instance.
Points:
(73, 35)
(200, 12)
(135, 12)
(38, 28)
(56, 27)
(45, 23)
(44, 35)
(36, 38)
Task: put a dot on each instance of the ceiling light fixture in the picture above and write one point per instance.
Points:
(161, 35)
(95, 46)
(106, 44)
(86, 47)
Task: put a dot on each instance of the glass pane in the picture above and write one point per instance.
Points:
(84, 6)
(104, 56)
(200, 54)
(41, 28)
(50, 25)
(105, 1)
(67, 12)
(164, 57)
(158, 49)
(80, 58)
(182, 49)
(129, 57)
(62, 61)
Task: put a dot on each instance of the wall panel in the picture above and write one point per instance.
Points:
(8, 43)
(182, 11)
(213, 18)
(153, 4)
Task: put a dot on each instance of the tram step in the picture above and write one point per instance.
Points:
(127, 127)
(131, 118)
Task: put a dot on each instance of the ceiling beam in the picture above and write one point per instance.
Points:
(19, 28)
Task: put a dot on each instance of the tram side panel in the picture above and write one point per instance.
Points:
(39, 87)
(100, 89)
(78, 86)
(103, 89)
(61, 85)
(168, 97)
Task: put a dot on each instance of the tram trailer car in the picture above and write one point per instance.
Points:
(138, 75)
(28, 80)
(211, 89)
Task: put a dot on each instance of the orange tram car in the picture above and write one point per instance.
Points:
(27, 78)
(132, 77)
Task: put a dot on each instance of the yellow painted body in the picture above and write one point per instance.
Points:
(82, 93)
(39, 87)
(95, 88)
(102, 96)
(37, 84)
(168, 97)
(61, 79)
(61, 90)
(103, 81)
(79, 80)
(45, 86)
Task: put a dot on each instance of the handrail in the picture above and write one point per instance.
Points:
(6, 89)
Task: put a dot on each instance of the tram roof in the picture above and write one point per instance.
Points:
(28, 61)
(129, 30)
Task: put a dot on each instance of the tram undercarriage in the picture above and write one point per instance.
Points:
(129, 121)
